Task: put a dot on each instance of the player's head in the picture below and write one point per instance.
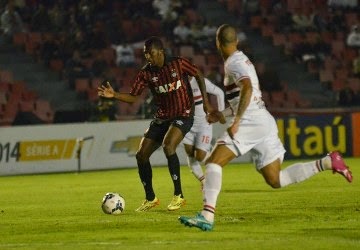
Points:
(154, 51)
(226, 38)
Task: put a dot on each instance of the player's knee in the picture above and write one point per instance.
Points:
(169, 149)
(213, 159)
(199, 158)
(273, 183)
(141, 157)
(201, 155)
(209, 160)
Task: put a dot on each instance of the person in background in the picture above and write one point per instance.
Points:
(11, 22)
(125, 55)
(353, 38)
(168, 81)
(182, 33)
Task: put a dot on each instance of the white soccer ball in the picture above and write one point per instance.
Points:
(113, 203)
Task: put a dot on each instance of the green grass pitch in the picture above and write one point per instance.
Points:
(62, 211)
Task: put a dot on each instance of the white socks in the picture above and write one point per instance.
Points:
(301, 171)
(212, 189)
(195, 168)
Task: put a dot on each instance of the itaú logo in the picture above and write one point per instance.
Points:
(168, 87)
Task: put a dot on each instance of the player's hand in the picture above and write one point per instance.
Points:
(216, 116)
(105, 90)
(233, 129)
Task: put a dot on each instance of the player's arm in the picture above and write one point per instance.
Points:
(107, 91)
(228, 111)
(201, 82)
(245, 97)
(216, 115)
(211, 88)
(220, 116)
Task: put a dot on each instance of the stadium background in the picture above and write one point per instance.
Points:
(312, 82)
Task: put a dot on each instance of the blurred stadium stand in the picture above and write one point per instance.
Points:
(39, 76)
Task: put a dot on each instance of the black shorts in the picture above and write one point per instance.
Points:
(158, 128)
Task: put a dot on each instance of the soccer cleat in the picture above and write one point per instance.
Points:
(198, 221)
(176, 203)
(338, 166)
(147, 205)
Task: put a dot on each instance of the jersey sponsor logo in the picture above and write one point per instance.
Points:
(168, 87)
(173, 73)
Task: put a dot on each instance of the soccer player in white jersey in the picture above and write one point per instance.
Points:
(197, 142)
(252, 129)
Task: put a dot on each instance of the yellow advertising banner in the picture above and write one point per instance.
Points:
(46, 150)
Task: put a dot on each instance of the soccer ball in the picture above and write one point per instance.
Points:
(113, 203)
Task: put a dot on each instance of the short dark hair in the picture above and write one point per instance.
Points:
(226, 34)
(153, 42)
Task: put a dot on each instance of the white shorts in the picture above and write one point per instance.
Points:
(258, 135)
(200, 136)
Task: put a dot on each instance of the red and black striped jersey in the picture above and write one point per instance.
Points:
(169, 86)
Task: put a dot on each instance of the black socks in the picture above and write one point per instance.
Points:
(174, 170)
(145, 173)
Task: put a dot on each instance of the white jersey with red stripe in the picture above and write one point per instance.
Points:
(238, 67)
(258, 132)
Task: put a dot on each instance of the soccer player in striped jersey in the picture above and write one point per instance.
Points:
(197, 141)
(252, 129)
(168, 80)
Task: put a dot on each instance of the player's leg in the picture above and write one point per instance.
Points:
(146, 149)
(202, 148)
(268, 156)
(299, 172)
(218, 158)
(276, 177)
(189, 146)
(173, 137)
(193, 163)
(197, 144)
(199, 158)
(151, 141)
(201, 155)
